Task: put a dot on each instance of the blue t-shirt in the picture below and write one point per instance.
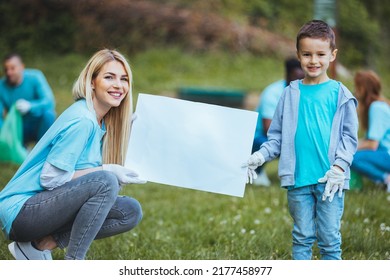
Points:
(73, 142)
(34, 88)
(317, 107)
(379, 124)
(268, 101)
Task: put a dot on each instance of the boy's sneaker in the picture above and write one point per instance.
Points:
(25, 251)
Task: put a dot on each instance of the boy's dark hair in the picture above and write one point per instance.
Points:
(317, 29)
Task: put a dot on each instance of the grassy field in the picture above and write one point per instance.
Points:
(186, 224)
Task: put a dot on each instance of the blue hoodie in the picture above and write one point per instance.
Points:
(281, 134)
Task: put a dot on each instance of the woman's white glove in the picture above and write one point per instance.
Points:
(254, 161)
(334, 179)
(123, 174)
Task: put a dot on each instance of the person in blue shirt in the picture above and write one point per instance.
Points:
(65, 194)
(29, 90)
(314, 132)
(373, 156)
(269, 99)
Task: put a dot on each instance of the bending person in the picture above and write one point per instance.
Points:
(29, 90)
(373, 156)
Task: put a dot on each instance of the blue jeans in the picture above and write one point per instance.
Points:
(76, 213)
(373, 164)
(315, 219)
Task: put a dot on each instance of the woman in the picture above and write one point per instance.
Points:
(373, 156)
(65, 194)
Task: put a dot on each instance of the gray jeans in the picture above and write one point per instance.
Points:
(76, 213)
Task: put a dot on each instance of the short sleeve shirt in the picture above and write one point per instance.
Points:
(317, 107)
(73, 142)
(379, 124)
(268, 101)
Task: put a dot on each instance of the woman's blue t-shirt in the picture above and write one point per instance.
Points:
(72, 143)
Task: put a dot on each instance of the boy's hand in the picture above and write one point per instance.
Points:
(254, 161)
(123, 174)
(334, 179)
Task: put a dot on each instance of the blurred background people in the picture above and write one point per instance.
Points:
(373, 156)
(269, 98)
(29, 90)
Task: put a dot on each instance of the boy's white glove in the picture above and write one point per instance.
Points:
(123, 174)
(23, 106)
(254, 161)
(334, 179)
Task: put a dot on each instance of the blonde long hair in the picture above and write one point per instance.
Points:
(118, 119)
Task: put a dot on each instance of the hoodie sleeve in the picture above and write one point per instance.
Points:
(271, 148)
(349, 136)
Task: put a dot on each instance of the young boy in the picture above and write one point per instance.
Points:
(314, 131)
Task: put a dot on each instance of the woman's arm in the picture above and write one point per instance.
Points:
(368, 144)
(82, 172)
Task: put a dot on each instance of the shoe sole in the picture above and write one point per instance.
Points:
(11, 248)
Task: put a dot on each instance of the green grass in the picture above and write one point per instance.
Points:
(187, 224)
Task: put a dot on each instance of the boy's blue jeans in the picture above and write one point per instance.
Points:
(315, 220)
(76, 213)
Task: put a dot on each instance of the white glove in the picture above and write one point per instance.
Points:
(334, 179)
(254, 161)
(123, 174)
(23, 106)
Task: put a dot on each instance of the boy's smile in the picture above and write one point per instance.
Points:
(315, 56)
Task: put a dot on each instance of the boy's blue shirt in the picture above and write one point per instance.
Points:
(281, 134)
(317, 106)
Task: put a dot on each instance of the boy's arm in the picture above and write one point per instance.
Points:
(349, 137)
(271, 148)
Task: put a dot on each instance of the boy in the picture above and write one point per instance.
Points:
(314, 131)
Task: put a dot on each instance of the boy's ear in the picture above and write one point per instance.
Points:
(334, 54)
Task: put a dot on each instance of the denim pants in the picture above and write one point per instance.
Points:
(76, 213)
(373, 164)
(315, 220)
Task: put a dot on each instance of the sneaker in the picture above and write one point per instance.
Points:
(25, 251)
(262, 179)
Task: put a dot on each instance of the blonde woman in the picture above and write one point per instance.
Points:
(65, 194)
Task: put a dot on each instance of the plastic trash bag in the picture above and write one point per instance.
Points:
(11, 138)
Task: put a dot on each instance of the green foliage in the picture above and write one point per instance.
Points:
(36, 26)
(358, 34)
(32, 26)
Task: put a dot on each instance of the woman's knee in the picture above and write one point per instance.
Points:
(131, 209)
(108, 183)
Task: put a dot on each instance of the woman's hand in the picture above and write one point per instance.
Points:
(123, 174)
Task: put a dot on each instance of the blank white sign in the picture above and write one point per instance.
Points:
(191, 145)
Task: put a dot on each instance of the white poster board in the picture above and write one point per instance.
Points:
(191, 145)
